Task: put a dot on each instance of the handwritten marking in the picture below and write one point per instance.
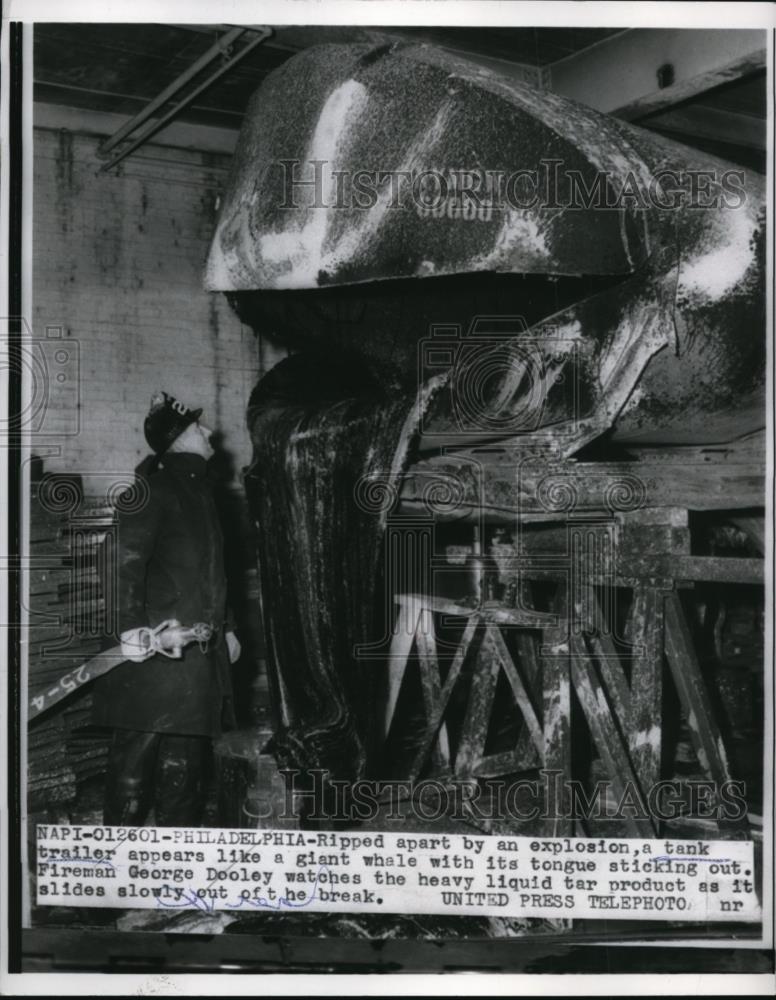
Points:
(191, 899)
(689, 857)
(81, 861)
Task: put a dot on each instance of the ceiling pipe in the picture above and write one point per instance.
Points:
(221, 47)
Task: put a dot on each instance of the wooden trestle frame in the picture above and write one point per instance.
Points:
(624, 716)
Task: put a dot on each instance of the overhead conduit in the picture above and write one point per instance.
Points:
(223, 47)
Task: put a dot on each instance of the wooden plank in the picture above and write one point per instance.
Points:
(629, 570)
(489, 612)
(556, 717)
(518, 688)
(713, 569)
(425, 640)
(401, 646)
(526, 752)
(606, 736)
(694, 699)
(645, 630)
(509, 762)
(491, 484)
(433, 722)
(478, 711)
(612, 672)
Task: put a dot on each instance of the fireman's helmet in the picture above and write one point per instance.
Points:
(167, 418)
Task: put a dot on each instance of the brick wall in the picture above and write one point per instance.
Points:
(117, 267)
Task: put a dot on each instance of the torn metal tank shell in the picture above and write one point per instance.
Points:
(335, 110)
(640, 319)
(335, 113)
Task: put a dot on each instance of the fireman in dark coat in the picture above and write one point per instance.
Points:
(165, 712)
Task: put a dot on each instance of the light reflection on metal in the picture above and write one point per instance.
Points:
(668, 347)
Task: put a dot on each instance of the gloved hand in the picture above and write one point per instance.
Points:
(133, 647)
(233, 647)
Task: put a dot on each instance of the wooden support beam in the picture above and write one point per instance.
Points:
(478, 712)
(605, 734)
(527, 754)
(491, 612)
(712, 569)
(629, 570)
(603, 649)
(694, 699)
(425, 640)
(522, 697)
(556, 683)
(645, 631)
(497, 764)
(401, 647)
(499, 483)
(435, 718)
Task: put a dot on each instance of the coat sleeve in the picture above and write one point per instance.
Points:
(138, 531)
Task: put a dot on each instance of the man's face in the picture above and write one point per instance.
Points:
(195, 440)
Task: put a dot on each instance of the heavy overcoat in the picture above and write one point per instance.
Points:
(170, 565)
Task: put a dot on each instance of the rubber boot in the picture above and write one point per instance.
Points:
(181, 773)
(129, 782)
